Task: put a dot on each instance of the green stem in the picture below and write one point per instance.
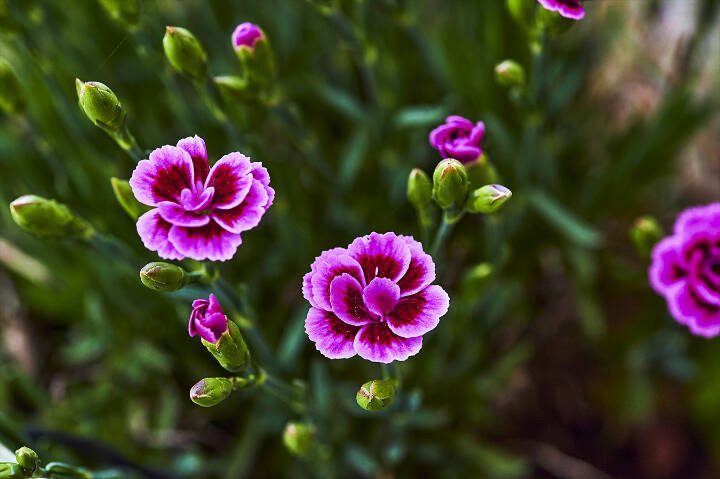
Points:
(440, 236)
(127, 142)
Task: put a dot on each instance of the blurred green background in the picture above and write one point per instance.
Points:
(561, 364)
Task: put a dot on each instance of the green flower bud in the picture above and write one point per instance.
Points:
(234, 88)
(27, 459)
(376, 395)
(126, 12)
(487, 199)
(44, 217)
(12, 97)
(510, 74)
(100, 105)
(644, 234)
(299, 438)
(185, 53)
(10, 470)
(419, 189)
(481, 172)
(126, 198)
(161, 276)
(450, 183)
(230, 349)
(60, 470)
(211, 391)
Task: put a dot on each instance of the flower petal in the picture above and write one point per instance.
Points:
(211, 327)
(206, 242)
(346, 298)
(421, 271)
(195, 146)
(332, 337)
(567, 8)
(176, 214)
(307, 288)
(698, 218)
(417, 314)
(375, 342)
(231, 180)
(381, 295)
(331, 267)
(383, 255)
(163, 177)
(247, 214)
(686, 308)
(153, 231)
(666, 268)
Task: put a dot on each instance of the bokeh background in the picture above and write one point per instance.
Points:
(561, 364)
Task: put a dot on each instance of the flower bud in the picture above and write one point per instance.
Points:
(185, 53)
(100, 105)
(644, 234)
(10, 470)
(487, 199)
(27, 459)
(126, 12)
(376, 395)
(419, 189)
(44, 217)
(126, 198)
(60, 470)
(254, 53)
(234, 88)
(211, 391)
(12, 98)
(481, 172)
(450, 183)
(510, 74)
(230, 349)
(161, 276)
(299, 438)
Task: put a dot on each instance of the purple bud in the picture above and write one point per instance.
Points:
(207, 319)
(246, 35)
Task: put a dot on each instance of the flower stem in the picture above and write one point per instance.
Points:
(127, 142)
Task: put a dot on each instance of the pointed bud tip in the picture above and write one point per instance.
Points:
(299, 438)
(160, 276)
(376, 395)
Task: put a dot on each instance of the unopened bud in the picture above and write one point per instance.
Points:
(376, 395)
(45, 217)
(419, 189)
(126, 12)
(10, 470)
(126, 198)
(487, 199)
(510, 74)
(450, 183)
(644, 234)
(161, 276)
(60, 470)
(211, 391)
(100, 105)
(185, 53)
(12, 98)
(299, 438)
(230, 349)
(254, 53)
(481, 172)
(27, 459)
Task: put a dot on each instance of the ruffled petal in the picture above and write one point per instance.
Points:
(686, 308)
(163, 177)
(231, 179)
(346, 298)
(332, 337)
(375, 342)
(176, 214)
(380, 296)
(331, 267)
(421, 271)
(206, 242)
(417, 314)
(195, 146)
(211, 327)
(567, 8)
(464, 152)
(666, 268)
(460, 122)
(698, 218)
(247, 214)
(153, 231)
(381, 255)
(307, 288)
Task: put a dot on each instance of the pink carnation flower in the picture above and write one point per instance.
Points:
(199, 212)
(373, 298)
(567, 8)
(458, 138)
(685, 269)
(246, 35)
(207, 319)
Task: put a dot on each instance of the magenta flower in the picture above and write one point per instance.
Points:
(458, 138)
(246, 35)
(685, 269)
(373, 298)
(199, 211)
(567, 8)
(207, 319)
